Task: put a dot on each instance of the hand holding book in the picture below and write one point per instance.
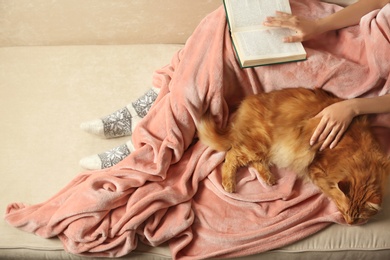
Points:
(304, 28)
(256, 44)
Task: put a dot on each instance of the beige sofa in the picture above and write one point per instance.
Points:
(66, 62)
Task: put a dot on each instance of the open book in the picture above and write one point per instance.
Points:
(256, 44)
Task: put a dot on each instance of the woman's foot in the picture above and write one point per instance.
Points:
(108, 158)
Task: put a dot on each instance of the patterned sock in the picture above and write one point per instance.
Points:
(108, 158)
(123, 121)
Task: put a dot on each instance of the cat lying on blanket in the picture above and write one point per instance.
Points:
(275, 128)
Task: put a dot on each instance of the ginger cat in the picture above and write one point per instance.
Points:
(275, 128)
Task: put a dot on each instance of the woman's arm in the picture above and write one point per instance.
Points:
(307, 29)
(336, 118)
(350, 15)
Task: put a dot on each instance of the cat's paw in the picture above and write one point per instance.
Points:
(271, 180)
(229, 186)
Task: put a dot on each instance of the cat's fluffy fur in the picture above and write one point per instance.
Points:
(275, 129)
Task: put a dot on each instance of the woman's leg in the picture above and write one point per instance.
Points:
(123, 121)
(119, 123)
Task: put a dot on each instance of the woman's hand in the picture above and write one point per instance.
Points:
(335, 120)
(304, 28)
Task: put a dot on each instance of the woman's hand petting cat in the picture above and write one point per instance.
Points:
(304, 28)
(335, 120)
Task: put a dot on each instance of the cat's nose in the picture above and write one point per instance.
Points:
(348, 220)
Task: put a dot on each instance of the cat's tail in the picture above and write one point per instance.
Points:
(211, 135)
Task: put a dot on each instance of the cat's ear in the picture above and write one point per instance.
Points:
(344, 186)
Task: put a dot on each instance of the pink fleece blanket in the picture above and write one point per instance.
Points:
(169, 188)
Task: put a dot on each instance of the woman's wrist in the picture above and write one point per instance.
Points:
(370, 105)
(321, 25)
(351, 107)
(354, 106)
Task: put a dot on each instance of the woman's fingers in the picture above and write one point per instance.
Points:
(337, 139)
(293, 38)
(277, 23)
(281, 19)
(334, 121)
(282, 14)
(328, 132)
(304, 29)
(319, 130)
(285, 20)
(330, 137)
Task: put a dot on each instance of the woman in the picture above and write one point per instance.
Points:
(336, 118)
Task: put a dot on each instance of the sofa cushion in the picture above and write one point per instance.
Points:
(48, 91)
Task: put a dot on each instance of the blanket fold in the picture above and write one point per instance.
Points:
(169, 189)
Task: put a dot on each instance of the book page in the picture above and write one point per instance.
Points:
(266, 43)
(252, 13)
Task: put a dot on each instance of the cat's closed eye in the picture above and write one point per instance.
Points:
(357, 217)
